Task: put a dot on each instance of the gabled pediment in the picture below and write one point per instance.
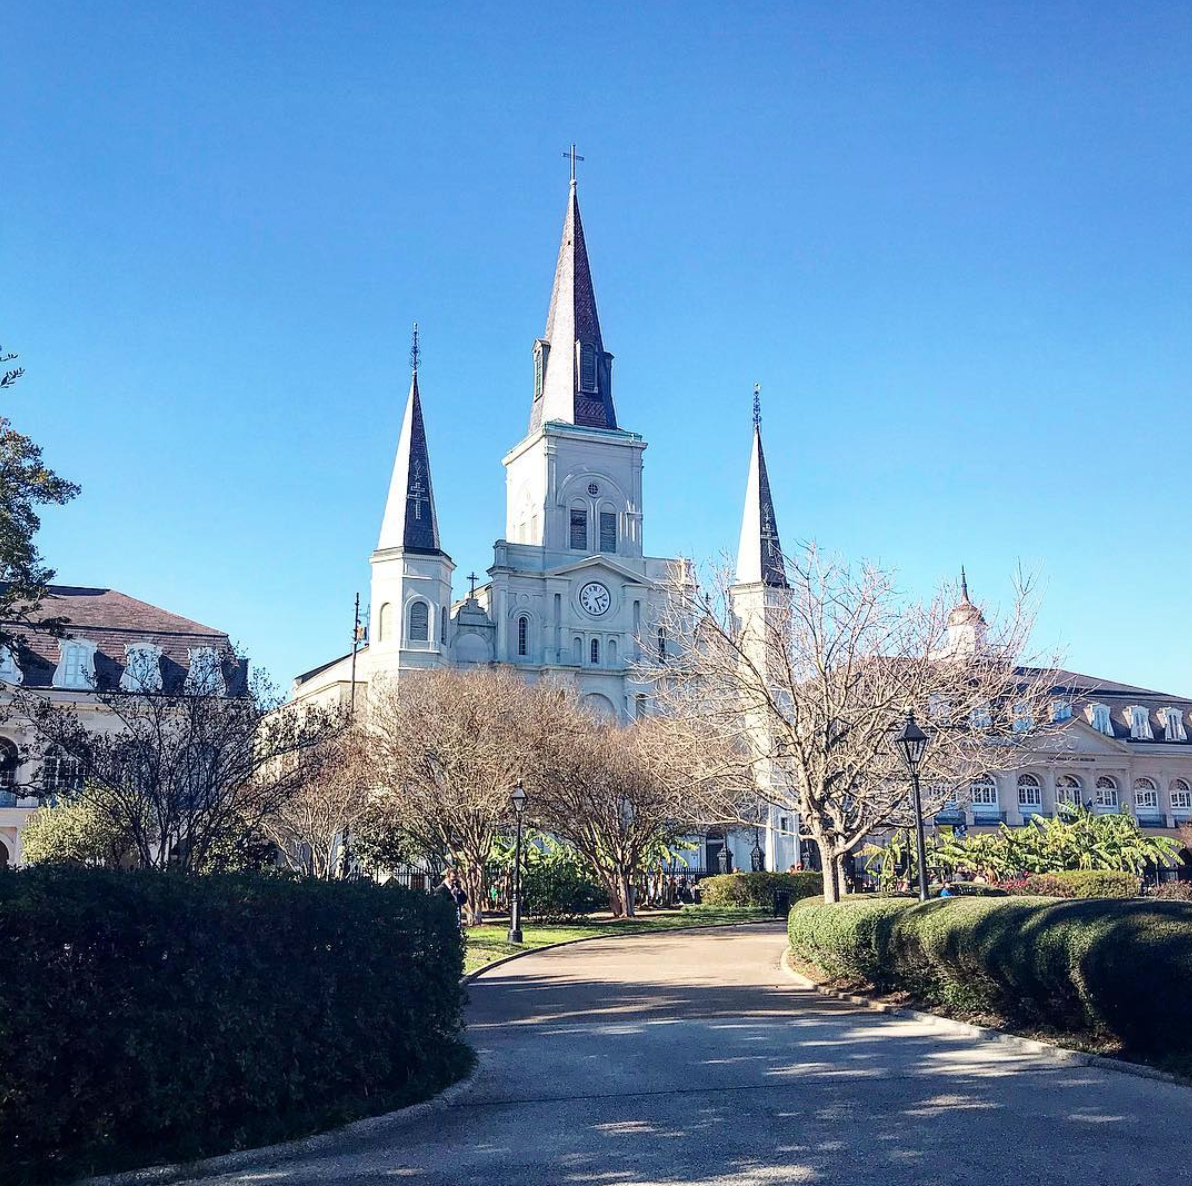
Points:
(1077, 736)
(593, 565)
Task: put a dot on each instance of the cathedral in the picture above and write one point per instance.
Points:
(571, 589)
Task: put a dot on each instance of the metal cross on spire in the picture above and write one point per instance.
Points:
(415, 351)
(757, 405)
(574, 157)
(473, 578)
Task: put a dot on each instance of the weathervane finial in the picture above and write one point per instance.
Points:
(757, 405)
(415, 351)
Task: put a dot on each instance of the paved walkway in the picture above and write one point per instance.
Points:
(690, 1058)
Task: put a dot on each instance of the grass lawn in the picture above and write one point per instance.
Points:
(488, 942)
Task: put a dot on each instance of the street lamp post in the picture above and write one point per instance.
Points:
(912, 741)
(518, 799)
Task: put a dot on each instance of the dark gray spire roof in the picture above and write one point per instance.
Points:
(573, 326)
(410, 521)
(759, 557)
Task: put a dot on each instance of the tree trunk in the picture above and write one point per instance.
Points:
(627, 894)
(827, 869)
(838, 860)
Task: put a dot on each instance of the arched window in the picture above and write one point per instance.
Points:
(608, 531)
(1105, 795)
(8, 764)
(385, 623)
(61, 772)
(1030, 793)
(419, 621)
(1068, 789)
(1181, 797)
(577, 650)
(579, 527)
(1146, 795)
(639, 705)
(611, 652)
(594, 652)
(523, 635)
(661, 645)
(983, 796)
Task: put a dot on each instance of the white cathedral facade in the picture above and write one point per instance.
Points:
(570, 590)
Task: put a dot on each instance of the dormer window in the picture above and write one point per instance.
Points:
(1140, 723)
(1061, 710)
(587, 369)
(204, 672)
(76, 665)
(1173, 724)
(981, 717)
(1098, 715)
(10, 672)
(1022, 720)
(142, 668)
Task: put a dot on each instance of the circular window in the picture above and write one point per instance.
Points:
(593, 489)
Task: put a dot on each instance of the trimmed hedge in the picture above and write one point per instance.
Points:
(1083, 883)
(1117, 970)
(148, 1016)
(758, 889)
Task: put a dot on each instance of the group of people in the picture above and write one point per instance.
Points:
(665, 890)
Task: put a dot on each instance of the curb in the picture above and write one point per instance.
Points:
(284, 1150)
(1059, 1054)
(517, 955)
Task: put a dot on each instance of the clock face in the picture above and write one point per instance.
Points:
(595, 598)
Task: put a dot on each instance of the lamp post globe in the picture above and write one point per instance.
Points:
(517, 797)
(912, 742)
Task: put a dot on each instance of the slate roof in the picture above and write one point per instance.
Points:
(759, 556)
(410, 520)
(1085, 690)
(572, 321)
(111, 620)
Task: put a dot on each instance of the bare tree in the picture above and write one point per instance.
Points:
(608, 790)
(446, 748)
(313, 827)
(190, 773)
(791, 695)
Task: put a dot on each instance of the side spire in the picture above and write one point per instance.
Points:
(572, 370)
(759, 557)
(410, 520)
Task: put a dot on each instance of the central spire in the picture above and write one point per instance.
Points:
(410, 521)
(759, 557)
(572, 370)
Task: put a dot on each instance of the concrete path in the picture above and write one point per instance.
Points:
(691, 1058)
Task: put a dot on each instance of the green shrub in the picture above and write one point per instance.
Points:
(758, 889)
(1082, 883)
(557, 890)
(148, 1015)
(1175, 891)
(1119, 970)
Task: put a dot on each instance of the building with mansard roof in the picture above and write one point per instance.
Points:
(112, 642)
(571, 589)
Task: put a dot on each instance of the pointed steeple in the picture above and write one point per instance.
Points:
(572, 371)
(410, 521)
(759, 557)
(967, 627)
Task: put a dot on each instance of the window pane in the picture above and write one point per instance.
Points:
(419, 622)
(579, 530)
(608, 531)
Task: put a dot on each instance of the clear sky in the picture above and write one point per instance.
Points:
(950, 240)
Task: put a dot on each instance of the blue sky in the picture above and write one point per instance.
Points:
(951, 241)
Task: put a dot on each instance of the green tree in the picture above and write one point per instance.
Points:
(77, 832)
(26, 484)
